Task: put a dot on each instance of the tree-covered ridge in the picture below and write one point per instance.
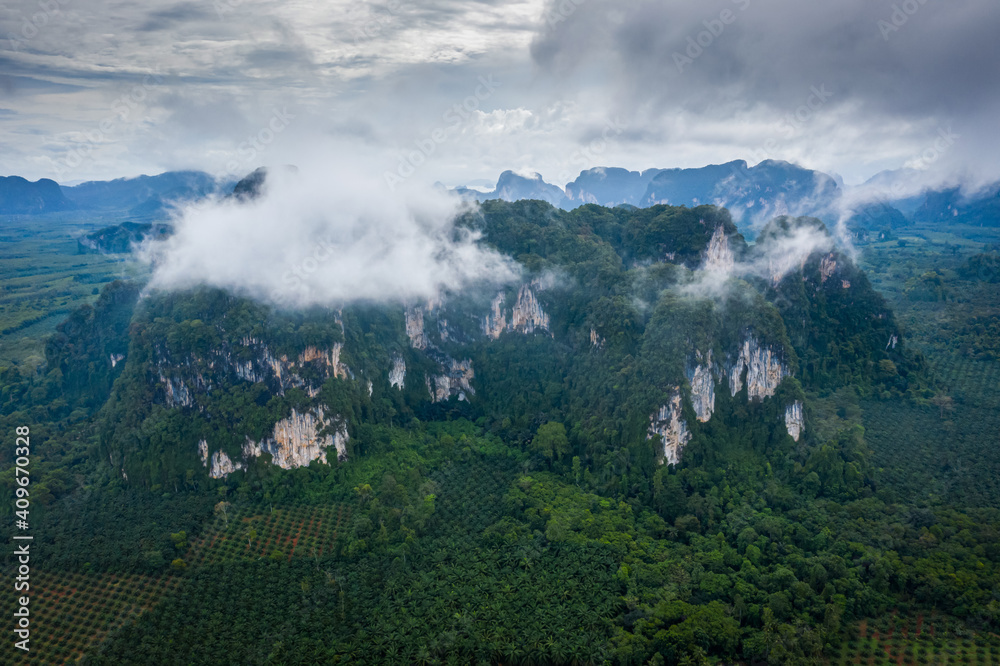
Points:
(626, 328)
(533, 521)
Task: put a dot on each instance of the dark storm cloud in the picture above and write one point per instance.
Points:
(913, 57)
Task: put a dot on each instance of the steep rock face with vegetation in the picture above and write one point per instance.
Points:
(607, 295)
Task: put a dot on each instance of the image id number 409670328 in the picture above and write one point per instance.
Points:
(22, 540)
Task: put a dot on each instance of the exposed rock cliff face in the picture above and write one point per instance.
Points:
(250, 361)
(295, 442)
(397, 374)
(526, 316)
(702, 386)
(668, 424)
(328, 360)
(455, 381)
(827, 266)
(496, 321)
(176, 392)
(221, 465)
(415, 327)
(596, 340)
(764, 369)
(719, 255)
(795, 421)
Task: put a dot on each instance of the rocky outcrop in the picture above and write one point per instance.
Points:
(596, 340)
(496, 321)
(795, 421)
(672, 429)
(455, 381)
(719, 255)
(526, 316)
(296, 441)
(327, 359)
(176, 391)
(827, 266)
(455, 377)
(415, 327)
(764, 370)
(221, 464)
(702, 383)
(397, 374)
(251, 360)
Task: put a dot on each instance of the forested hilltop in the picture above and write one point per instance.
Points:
(638, 452)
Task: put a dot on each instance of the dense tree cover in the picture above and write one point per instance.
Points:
(842, 329)
(462, 549)
(81, 360)
(940, 446)
(534, 522)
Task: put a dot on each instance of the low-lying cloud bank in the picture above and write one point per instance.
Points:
(327, 235)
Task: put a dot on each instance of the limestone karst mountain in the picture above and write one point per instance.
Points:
(602, 289)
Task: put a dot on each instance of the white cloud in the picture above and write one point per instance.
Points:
(331, 234)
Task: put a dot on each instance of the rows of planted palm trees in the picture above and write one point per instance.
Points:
(284, 531)
(73, 611)
(915, 639)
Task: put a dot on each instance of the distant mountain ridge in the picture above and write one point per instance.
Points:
(144, 195)
(19, 196)
(754, 195)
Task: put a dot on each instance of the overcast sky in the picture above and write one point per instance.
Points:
(95, 89)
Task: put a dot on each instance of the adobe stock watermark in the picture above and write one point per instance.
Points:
(248, 151)
(901, 14)
(257, 143)
(945, 140)
(586, 157)
(377, 25)
(796, 120)
(700, 42)
(561, 12)
(223, 7)
(32, 25)
(122, 108)
(793, 122)
(295, 279)
(455, 117)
